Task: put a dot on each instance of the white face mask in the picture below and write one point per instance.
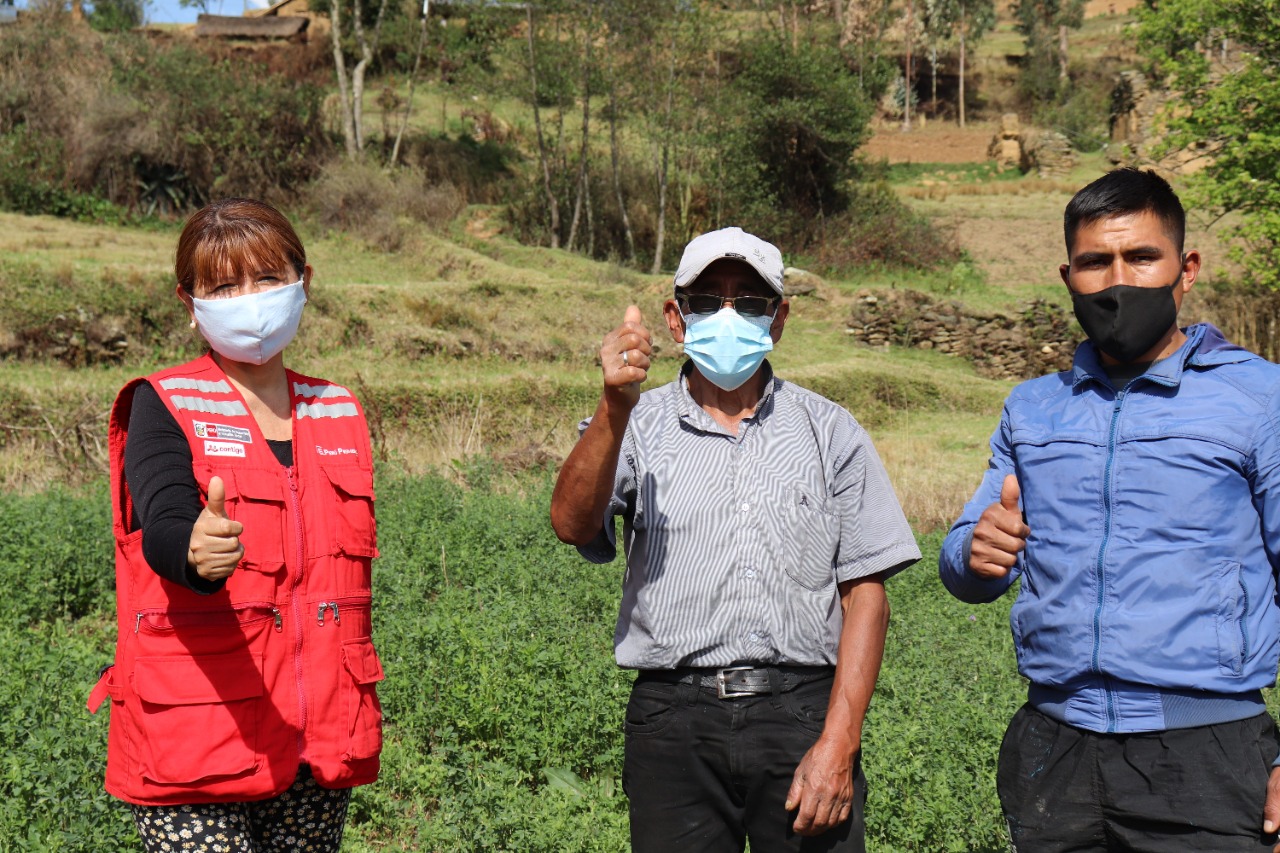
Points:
(252, 328)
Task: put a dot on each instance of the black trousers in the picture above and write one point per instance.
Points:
(704, 774)
(1196, 789)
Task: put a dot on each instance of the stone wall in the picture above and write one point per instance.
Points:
(1040, 338)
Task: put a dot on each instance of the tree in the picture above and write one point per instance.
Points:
(1042, 23)
(117, 15)
(201, 6)
(1223, 56)
(963, 21)
(351, 82)
(862, 39)
(546, 154)
(800, 116)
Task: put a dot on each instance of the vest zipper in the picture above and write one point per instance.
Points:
(297, 609)
(328, 605)
(172, 620)
(335, 606)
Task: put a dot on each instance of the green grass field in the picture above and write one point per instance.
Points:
(503, 706)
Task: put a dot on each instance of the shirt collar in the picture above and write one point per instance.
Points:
(694, 415)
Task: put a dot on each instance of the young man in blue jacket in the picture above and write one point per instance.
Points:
(1137, 497)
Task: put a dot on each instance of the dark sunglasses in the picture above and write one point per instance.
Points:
(709, 303)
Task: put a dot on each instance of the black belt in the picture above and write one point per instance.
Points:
(731, 682)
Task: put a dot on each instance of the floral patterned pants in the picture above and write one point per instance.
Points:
(306, 818)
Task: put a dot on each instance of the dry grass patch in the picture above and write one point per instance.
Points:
(935, 462)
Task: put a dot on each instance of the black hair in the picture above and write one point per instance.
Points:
(1122, 192)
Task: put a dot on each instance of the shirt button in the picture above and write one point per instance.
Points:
(746, 506)
(750, 573)
(755, 638)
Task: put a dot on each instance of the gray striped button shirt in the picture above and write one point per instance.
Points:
(735, 544)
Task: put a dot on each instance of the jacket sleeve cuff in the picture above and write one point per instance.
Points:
(953, 569)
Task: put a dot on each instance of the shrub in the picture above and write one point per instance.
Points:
(1083, 114)
(878, 228)
(366, 200)
(152, 128)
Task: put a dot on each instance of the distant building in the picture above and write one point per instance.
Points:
(448, 8)
(286, 19)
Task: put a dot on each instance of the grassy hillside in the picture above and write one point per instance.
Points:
(460, 347)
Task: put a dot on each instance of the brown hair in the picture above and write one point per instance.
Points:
(232, 235)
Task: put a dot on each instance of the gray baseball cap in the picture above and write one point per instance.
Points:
(731, 242)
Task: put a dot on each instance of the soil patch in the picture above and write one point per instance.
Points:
(936, 142)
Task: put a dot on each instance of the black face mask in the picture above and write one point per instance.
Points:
(1125, 321)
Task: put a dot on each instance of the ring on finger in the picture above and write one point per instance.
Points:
(626, 362)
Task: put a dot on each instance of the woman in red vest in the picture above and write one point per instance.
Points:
(243, 702)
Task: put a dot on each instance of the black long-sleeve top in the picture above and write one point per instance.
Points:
(166, 498)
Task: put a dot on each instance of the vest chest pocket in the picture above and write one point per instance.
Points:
(256, 500)
(364, 710)
(812, 536)
(352, 532)
(217, 696)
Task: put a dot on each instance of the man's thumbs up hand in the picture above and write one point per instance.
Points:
(1009, 494)
(215, 550)
(624, 357)
(1000, 534)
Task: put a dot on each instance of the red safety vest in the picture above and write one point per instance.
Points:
(218, 698)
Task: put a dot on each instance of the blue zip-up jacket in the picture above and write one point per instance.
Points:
(1148, 597)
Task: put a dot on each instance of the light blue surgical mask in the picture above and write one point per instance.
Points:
(727, 347)
(253, 328)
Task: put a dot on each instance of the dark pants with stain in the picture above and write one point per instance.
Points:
(704, 774)
(1195, 789)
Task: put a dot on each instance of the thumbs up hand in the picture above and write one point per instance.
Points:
(214, 550)
(1000, 534)
(624, 357)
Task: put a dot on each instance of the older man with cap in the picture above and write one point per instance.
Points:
(759, 529)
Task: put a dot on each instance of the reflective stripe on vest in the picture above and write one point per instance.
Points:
(326, 410)
(230, 408)
(204, 386)
(302, 389)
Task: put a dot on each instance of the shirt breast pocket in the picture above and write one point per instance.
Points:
(811, 539)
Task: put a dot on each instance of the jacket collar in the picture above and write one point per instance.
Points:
(1205, 346)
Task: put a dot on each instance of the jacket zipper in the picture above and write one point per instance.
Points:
(1100, 571)
(297, 610)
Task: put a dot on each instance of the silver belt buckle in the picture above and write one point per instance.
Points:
(726, 694)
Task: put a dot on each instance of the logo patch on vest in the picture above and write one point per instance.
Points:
(337, 451)
(222, 432)
(223, 448)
